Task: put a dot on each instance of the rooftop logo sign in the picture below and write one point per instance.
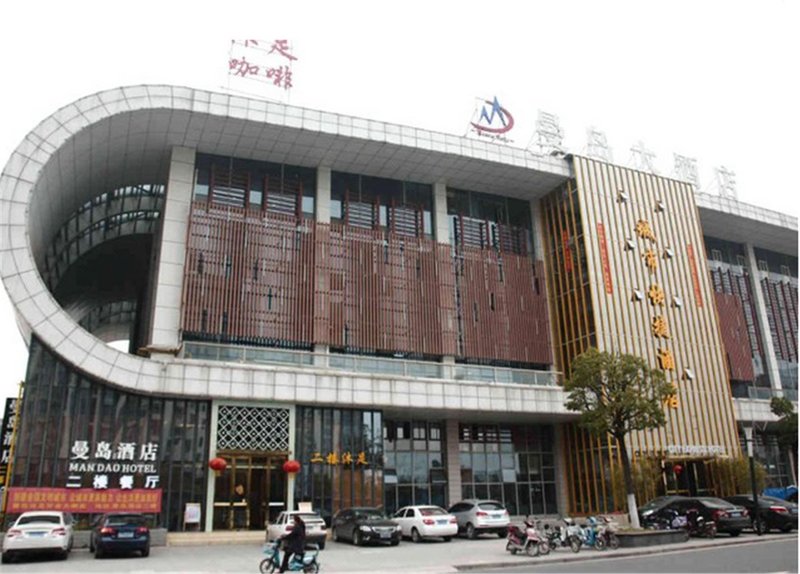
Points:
(493, 121)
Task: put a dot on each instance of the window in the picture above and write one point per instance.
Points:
(716, 255)
(763, 265)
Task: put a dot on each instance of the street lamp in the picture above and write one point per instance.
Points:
(748, 437)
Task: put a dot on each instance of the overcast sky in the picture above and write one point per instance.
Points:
(716, 81)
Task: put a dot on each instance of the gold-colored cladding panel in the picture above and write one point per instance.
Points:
(651, 297)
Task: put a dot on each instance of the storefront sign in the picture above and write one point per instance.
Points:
(85, 500)
(695, 449)
(346, 458)
(9, 422)
(121, 465)
(264, 61)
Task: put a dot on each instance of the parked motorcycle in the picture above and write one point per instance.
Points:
(558, 537)
(530, 540)
(699, 526)
(306, 562)
(608, 531)
(588, 535)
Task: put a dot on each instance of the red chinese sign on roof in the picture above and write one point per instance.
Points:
(267, 62)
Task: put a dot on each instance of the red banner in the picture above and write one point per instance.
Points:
(84, 500)
(698, 294)
(601, 238)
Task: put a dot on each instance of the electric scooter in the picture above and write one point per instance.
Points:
(307, 562)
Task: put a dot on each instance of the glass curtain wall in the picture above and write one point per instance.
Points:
(512, 464)
(61, 406)
(341, 455)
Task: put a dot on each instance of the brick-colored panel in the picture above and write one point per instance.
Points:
(734, 336)
(503, 307)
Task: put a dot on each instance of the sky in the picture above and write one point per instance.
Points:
(712, 80)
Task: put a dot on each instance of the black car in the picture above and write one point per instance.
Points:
(773, 513)
(362, 525)
(728, 517)
(120, 532)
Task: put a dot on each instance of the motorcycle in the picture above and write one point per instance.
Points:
(529, 540)
(307, 562)
(608, 531)
(559, 538)
(696, 525)
(588, 535)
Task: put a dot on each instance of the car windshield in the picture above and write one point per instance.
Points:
(47, 518)
(431, 511)
(655, 503)
(125, 520)
(491, 505)
(369, 515)
(715, 502)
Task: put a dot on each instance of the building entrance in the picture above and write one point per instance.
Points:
(250, 492)
(688, 478)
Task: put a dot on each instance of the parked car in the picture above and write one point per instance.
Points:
(481, 516)
(39, 532)
(773, 513)
(316, 532)
(363, 525)
(118, 533)
(648, 512)
(728, 517)
(420, 522)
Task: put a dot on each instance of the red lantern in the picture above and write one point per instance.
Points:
(677, 469)
(217, 465)
(291, 467)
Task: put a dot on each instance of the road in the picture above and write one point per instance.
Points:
(773, 553)
(767, 555)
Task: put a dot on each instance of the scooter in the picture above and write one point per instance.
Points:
(307, 562)
(587, 536)
(696, 525)
(592, 536)
(559, 538)
(608, 531)
(529, 541)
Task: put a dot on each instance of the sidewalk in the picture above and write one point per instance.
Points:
(484, 554)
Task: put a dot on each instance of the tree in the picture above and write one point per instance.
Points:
(783, 408)
(617, 394)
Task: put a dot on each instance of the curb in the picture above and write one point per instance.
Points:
(611, 554)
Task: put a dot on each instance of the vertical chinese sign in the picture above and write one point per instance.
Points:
(9, 424)
(601, 238)
(263, 67)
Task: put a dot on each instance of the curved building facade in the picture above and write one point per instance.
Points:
(391, 307)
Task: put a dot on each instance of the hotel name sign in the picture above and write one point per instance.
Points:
(695, 449)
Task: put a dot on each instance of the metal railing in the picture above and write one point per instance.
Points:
(366, 364)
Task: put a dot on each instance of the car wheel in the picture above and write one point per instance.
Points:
(98, 552)
(91, 544)
(471, 533)
(6, 558)
(735, 533)
(335, 535)
(357, 540)
(321, 545)
(760, 526)
(63, 554)
(395, 542)
(447, 538)
(501, 533)
(786, 529)
(415, 536)
(146, 551)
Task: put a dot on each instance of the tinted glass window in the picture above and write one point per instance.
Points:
(431, 511)
(490, 506)
(47, 518)
(125, 519)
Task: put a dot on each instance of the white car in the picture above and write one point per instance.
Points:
(481, 516)
(420, 522)
(39, 532)
(316, 533)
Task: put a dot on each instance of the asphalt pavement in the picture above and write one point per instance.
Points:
(459, 555)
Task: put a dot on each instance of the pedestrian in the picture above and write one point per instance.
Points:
(294, 542)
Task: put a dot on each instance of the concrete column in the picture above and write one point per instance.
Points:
(452, 462)
(538, 229)
(322, 202)
(562, 481)
(322, 210)
(166, 311)
(211, 483)
(763, 321)
(441, 227)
